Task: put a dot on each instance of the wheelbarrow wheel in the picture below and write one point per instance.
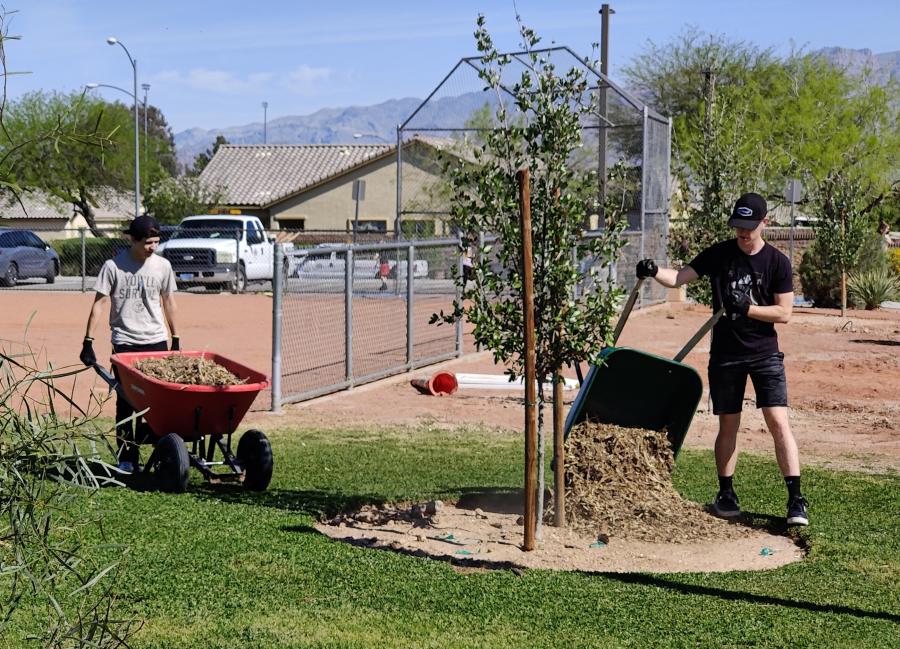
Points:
(254, 454)
(171, 464)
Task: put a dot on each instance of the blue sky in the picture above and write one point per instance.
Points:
(212, 63)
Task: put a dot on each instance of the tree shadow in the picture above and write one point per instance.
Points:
(656, 581)
(314, 502)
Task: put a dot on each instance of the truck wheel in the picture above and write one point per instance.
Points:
(239, 283)
(170, 467)
(254, 454)
(11, 276)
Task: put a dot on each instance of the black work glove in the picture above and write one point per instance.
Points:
(646, 268)
(87, 355)
(736, 302)
(176, 344)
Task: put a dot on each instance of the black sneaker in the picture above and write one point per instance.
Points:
(726, 505)
(796, 511)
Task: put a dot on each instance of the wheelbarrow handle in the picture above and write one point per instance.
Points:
(626, 311)
(709, 324)
(109, 379)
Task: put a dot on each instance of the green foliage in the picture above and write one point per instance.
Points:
(539, 129)
(44, 557)
(744, 120)
(171, 199)
(87, 168)
(894, 258)
(202, 159)
(96, 252)
(872, 287)
(821, 281)
(716, 162)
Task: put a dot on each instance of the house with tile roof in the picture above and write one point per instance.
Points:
(310, 186)
(56, 219)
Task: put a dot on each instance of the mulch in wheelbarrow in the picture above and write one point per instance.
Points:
(619, 484)
(187, 370)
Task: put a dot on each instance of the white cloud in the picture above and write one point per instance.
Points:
(302, 79)
(307, 74)
(220, 81)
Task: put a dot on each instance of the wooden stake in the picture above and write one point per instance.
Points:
(559, 454)
(522, 178)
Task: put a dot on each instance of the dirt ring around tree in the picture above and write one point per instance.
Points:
(483, 539)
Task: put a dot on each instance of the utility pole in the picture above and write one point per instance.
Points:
(265, 106)
(605, 12)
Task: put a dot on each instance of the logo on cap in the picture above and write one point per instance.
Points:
(744, 211)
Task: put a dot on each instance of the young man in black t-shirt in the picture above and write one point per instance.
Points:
(753, 282)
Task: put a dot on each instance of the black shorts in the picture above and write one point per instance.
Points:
(728, 379)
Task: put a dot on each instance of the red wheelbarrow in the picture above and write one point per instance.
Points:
(205, 416)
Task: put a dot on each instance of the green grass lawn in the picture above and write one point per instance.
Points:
(220, 567)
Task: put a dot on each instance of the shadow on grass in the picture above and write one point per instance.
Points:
(643, 579)
(314, 502)
(322, 504)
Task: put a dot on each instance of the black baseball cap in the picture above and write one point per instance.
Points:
(143, 227)
(748, 211)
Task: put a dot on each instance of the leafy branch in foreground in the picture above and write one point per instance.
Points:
(48, 466)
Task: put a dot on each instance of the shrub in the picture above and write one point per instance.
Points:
(894, 259)
(821, 282)
(872, 287)
(96, 251)
(46, 462)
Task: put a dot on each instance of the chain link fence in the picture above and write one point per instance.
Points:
(620, 129)
(350, 314)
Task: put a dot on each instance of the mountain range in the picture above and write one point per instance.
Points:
(378, 122)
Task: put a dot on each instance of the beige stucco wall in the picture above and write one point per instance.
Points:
(331, 205)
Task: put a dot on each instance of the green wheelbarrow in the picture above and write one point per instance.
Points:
(634, 389)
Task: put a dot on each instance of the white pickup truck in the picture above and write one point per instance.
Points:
(219, 251)
(322, 261)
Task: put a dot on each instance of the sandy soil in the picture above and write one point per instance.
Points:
(488, 539)
(843, 379)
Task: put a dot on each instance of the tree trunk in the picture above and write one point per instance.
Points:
(559, 454)
(843, 294)
(83, 207)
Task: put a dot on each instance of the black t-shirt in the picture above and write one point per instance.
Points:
(763, 275)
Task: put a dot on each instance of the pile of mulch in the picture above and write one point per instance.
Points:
(188, 370)
(619, 483)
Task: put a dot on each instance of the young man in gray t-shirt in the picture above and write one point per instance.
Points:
(139, 287)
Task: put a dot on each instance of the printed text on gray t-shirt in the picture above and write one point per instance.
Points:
(134, 289)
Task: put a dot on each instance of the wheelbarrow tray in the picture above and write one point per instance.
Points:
(635, 389)
(191, 411)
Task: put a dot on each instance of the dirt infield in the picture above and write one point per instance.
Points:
(843, 373)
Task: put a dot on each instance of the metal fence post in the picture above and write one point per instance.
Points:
(460, 285)
(348, 316)
(237, 261)
(83, 260)
(410, 296)
(277, 295)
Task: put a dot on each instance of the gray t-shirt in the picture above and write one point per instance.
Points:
(134, 289)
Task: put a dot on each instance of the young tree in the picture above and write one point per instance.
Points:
(171, 199)
(538, 127)
(714, 89)
(839, 133)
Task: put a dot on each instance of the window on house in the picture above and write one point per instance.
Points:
(369, 226)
